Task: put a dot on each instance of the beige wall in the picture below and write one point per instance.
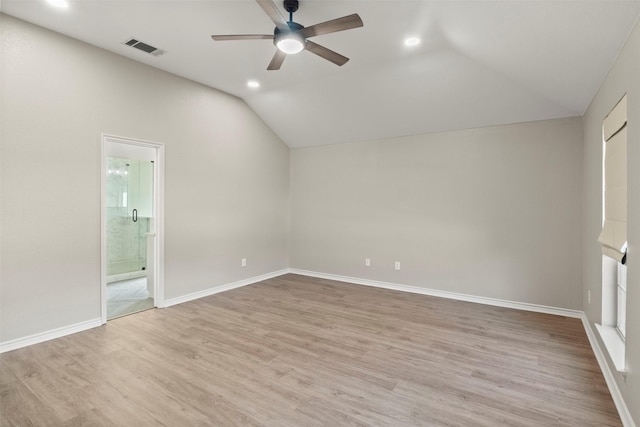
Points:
(624, 77)
(226, 177)
(493, 212)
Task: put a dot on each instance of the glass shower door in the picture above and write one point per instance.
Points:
(129, 212)
(129, 205)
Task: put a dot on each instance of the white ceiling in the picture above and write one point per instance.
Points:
(481, 63)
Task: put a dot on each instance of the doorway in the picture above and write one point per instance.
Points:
(131, 226)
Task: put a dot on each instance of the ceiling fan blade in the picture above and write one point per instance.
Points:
(272, 10)
(220, 38)
(327, 54)
(339, 24)
(277, 60)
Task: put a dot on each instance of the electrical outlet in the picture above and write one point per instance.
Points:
(589, 296)
(243, 262)
(367, 262)
(397, 265)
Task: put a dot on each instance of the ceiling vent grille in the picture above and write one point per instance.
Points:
(144, 47)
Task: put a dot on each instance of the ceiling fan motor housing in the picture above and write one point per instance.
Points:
(293, 26)
(279, 36)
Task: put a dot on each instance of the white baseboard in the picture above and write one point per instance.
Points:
(222, 288)
(444, 294)
(621, 406)
(49, 335)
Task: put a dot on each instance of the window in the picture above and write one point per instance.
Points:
(614, 233)
(614, 228)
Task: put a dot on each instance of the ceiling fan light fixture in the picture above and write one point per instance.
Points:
(290, 44)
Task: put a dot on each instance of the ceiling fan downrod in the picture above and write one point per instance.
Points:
(291, 6)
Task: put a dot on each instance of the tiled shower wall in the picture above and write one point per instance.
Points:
(126, 242)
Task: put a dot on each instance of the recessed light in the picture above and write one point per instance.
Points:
(62, 4)
(253, 84)
(411, 41)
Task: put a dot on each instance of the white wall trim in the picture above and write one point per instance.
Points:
(444, 294)
(217, 289)
(618, 400)
(49, 335)
(614, 344)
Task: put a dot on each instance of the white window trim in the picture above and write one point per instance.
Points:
(614, 344)
(621, 287)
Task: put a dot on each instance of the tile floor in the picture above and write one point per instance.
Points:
(127, 297)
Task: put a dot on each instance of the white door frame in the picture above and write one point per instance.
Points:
(157, 226)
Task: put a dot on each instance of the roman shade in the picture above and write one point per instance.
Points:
(614, 231)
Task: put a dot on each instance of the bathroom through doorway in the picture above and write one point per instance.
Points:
(131, 232)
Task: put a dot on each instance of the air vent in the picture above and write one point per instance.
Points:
(144, 47)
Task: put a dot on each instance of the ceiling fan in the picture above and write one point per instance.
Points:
(291, 37)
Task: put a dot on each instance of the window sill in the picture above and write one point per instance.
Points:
(614, 344)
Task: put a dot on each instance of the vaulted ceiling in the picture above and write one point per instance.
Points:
(480, 62)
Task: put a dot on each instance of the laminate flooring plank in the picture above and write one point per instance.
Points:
(300, 351)
(348, 397)
(48, 374)
(91, 418)
(241, 378)
(19, 406)
(184, 401)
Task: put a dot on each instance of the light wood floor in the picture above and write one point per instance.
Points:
(297, 351)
